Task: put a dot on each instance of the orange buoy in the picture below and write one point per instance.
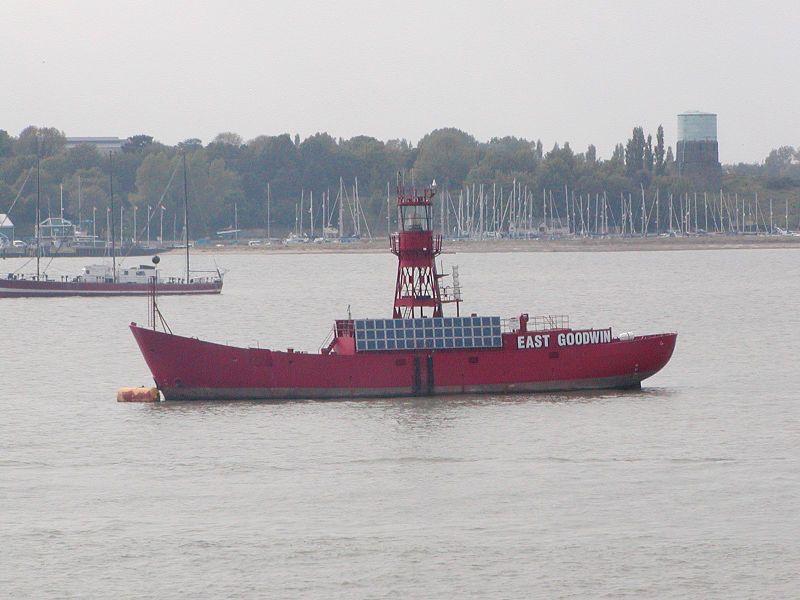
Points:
(140, 394)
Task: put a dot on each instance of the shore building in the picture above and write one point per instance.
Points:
(697, 150)
(103, 145)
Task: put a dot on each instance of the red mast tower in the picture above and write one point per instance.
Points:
(416, 247)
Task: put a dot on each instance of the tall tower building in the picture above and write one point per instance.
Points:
(697, 151)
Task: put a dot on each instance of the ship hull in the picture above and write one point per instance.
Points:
(191, 369)
(26, 288)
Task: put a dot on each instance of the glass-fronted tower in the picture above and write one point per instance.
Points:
(697, 150)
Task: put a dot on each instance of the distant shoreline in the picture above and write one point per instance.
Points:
(612, 244)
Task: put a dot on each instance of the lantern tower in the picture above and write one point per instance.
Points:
(417, 292)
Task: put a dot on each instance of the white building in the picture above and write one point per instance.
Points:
(103, 145)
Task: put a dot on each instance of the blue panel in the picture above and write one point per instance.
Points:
(423, 333)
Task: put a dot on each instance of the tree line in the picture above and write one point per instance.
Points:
(229, 176)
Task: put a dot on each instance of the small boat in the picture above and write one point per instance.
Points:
(417, 351)
(101, 280)
(105, 280)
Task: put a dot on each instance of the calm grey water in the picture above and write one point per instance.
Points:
(687, 488)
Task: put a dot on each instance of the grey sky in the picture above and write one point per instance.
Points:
(583, 72)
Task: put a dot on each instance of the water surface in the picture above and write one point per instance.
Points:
(687, 488)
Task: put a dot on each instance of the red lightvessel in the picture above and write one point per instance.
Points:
(418, 351)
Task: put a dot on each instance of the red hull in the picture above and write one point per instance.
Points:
(26, 288)
(191, 369)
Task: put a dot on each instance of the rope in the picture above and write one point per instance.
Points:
(19, 193)
(158, 207)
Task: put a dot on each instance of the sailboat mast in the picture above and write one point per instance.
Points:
(38, 219)
(111, 188)
(341, 208)
(186, 214)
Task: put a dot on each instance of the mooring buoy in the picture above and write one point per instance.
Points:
(140, 394)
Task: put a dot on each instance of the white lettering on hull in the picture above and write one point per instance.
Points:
(525, 342)
(569, 338)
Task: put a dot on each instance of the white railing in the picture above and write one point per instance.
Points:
(538, 323)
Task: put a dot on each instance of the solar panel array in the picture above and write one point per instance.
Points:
(428, 333)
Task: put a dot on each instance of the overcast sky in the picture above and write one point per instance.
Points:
(582, 72)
